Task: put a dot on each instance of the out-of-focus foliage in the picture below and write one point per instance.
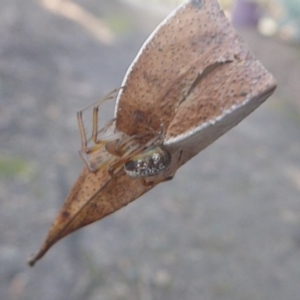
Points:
(11, 167)
(287, 17)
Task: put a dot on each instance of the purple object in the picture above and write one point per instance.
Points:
(246, 13)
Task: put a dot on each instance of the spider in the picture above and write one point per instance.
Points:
(138, 160)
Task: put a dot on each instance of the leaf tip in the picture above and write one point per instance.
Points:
(31, 261)
(35, 257)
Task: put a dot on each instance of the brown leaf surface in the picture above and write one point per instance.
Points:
(93, 196)
(185, 44)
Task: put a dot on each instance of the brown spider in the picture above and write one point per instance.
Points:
(117, 149)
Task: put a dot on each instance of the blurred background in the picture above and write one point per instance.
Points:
(226, 227)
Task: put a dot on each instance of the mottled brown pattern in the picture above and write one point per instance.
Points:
(171, 62)
(228, 85)
(86, 204)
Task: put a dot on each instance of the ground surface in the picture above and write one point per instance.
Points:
(226, 227)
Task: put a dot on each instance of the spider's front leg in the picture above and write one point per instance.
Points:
(96, 131)
(84, 139)
(92, 155)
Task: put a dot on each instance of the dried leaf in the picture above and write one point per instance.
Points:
(195, 76)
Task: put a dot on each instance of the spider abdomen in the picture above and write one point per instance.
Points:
(148, 163)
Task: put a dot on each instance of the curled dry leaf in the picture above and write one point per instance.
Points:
(192, 81)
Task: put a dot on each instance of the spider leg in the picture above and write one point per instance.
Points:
(109, 96)
(96, 106)
(92, 155)
(95, 124)
(84, 139)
